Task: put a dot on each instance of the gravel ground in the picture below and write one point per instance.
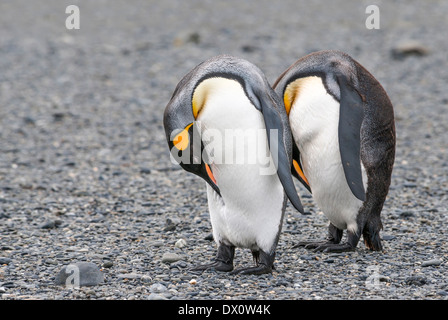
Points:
(84, 169)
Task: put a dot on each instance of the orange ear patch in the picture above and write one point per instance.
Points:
(288, 99)
(294, 89)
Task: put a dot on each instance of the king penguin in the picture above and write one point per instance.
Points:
(224, 96)
(343, 128)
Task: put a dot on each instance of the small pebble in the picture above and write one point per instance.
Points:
(128, 276)
(407, 48)
(156, 296)
(80, 273)
(50, 224)
(432, 262)
(180, 243)
(169, 257)
(416, 280)
(158, 287)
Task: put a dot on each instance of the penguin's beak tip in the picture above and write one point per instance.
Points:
(212, 179)
(210, 173)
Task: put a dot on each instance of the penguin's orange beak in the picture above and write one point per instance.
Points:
(210, 173)
(300, 172)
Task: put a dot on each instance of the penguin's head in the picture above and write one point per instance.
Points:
(184, 137)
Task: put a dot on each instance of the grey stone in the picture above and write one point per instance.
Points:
(8, 284)
(4, 260)
(416, 280)
(51, 261)
(145, 171)
(156, 296)
(178, 264)
(158, 287)
(432, 262)
(82, 273)
(169, 257)
(407, 48)
(407, 214)
(129, 276)
(49, 224)
(180, 243)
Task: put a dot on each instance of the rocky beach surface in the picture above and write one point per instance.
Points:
(85, 173)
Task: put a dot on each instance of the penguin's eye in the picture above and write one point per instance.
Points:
(182, 140)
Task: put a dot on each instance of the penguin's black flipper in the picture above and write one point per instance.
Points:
(351, 115)
(273, 121)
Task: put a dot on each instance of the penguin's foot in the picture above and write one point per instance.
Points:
(223, 261)
(259, 269)
(326, 246)
(333, 238)
(216, 265)
(349, 245)
(335, 247)
(264, 264)
(312, 244)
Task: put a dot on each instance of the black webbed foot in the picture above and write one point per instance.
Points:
(312, 244)
(223, 261)
(264, 264)
(216, 265)
(259, 269)
(334, 237)
(335, 247)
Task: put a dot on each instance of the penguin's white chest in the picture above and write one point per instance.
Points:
(314, 118)
(249, 213)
